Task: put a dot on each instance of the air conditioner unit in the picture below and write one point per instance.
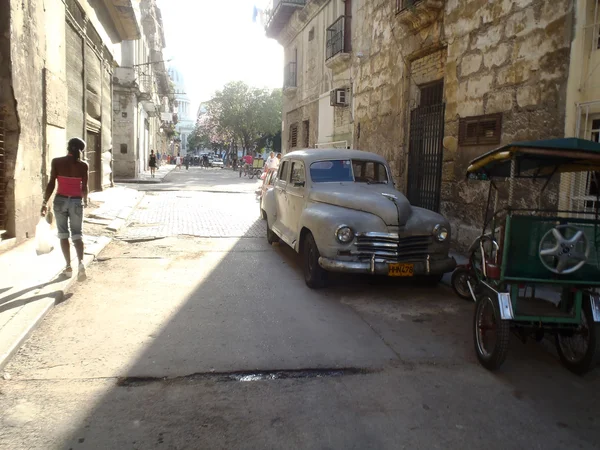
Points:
(339, 97)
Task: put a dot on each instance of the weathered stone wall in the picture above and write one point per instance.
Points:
(313, 77)
(509, 56)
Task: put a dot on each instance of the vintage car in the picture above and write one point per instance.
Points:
(340, 210)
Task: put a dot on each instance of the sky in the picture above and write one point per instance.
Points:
(213, 42)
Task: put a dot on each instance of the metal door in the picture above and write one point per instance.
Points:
(425, 155)
(92, 153)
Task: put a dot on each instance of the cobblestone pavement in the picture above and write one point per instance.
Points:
(195, 214)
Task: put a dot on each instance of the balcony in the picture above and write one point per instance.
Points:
(290, 78)
(418, 14)
(279, 15)
(337, 50)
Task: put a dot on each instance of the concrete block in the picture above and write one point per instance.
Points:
(497, 56)
(528, 95)
(470, 63)
(478, 86)
(521, 23)
(499, 102)
(488, 38)
(471, 107)
(513, 74)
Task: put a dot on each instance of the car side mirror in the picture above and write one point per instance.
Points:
(299, 184)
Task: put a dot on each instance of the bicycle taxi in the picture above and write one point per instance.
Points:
(535, 270)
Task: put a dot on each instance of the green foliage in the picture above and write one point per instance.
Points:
(241, 114)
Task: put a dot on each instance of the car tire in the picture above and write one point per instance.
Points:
(272, 238)
(315, 276)
(590, 330)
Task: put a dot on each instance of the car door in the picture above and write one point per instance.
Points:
(280, 186)
(296, 193)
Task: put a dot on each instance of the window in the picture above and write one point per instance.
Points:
(294, 135)
(123, 148)
(306, 134)
(401, 5)
(480, 130)
(359, 171)
(432, 93)
(283, 172)
(311, 34)
(369, 172)
(298, 175)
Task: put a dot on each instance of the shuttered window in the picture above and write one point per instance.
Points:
(306, 133)
(294, 135)
(74, 52)
(480, 130)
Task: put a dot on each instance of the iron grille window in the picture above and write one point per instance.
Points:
(480, 130)
(294, 135)
(401, 5)
(432, 93)
(290, 75)
(306, 129)
(77, 13)
(335, 38)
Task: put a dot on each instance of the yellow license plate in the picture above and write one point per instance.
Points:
(401, 270)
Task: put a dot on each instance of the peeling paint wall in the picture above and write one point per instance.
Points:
(34, 98)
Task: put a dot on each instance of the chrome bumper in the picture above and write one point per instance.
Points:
(375, 267)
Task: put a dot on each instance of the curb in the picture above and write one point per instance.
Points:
(15, 333)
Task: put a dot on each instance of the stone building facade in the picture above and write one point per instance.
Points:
(185, 115)
(142, 96)
(56, 64)
(435, 83)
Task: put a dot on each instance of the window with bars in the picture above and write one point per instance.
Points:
(306, 133)
(294, 135)
(480, 130)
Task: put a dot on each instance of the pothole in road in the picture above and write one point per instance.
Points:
(245, 376)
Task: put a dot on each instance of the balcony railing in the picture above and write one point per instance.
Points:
(336, 42)
(290, 75)
(279, 15)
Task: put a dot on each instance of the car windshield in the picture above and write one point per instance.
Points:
(356, 170)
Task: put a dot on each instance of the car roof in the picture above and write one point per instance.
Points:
(317, 154)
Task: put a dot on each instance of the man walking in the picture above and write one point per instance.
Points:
(72, 176)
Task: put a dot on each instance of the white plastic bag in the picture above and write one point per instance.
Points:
(43, 237)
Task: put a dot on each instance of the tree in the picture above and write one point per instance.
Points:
(240, 114)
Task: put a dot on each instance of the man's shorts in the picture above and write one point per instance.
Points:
(69, 214)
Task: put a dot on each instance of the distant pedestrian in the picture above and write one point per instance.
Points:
(178, 162)
(187, 162)
(72, 176)
(152, 163)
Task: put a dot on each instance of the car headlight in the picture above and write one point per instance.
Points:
(440, 232)
(344, 234)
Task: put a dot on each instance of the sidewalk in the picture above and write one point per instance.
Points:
(146, 178)
(31, 285)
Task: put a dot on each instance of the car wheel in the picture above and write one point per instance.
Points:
(315, 276)
(579, 350)
(272, 238)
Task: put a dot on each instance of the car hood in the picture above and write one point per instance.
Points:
(369, 198)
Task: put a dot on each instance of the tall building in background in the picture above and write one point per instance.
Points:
(185, 115)
(142, 99)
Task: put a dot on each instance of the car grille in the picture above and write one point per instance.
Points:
(390, 247)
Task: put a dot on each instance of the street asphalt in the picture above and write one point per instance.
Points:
(193, 333)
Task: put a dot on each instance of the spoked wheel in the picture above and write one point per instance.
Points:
(251, 174)
(459, 282)
(491, 333)
(579, 350)
(314, 275)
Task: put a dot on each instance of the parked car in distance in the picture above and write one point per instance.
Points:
(340, 211)
(217, 162)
